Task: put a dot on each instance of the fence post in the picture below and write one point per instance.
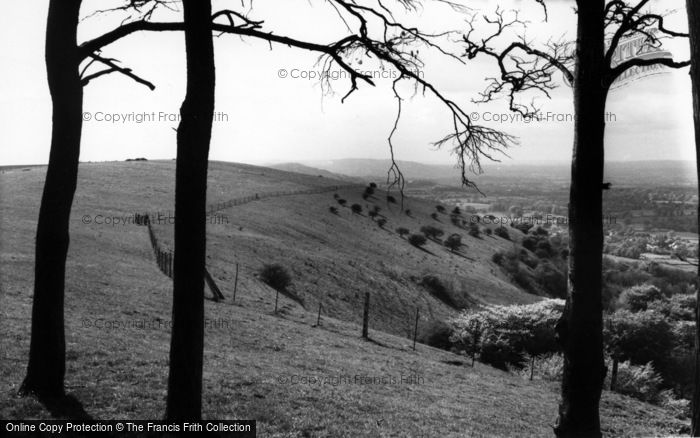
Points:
(235, 284)
(415, 330)
(365, 318)
(318, 318)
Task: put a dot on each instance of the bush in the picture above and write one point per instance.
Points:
(552, 280)
(639, 337)
(502, 232)
(474, 230)
(342, 202)
(638, 381)
(436, 334)
(333, 210)
(432, 232)
(276, 276)
(549, 367)
(438, 289)
(390, 199)
(401, 231)
(440, 209)
(489, 231)
(637, 298)
(434, 216)
(373, 185)
(456, 211)
(454, 242)
(417, 240)
(498, 258)
(356, 208)
(509, 332)
(381, 222)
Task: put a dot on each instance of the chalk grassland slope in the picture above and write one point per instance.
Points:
(335, 258)
(117, 326)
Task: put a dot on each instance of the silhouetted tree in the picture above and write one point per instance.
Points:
(693, 9)
(184, 400)
(401, 231)
(47, 355)
(580, 329)
(46, 366)
(356, 208)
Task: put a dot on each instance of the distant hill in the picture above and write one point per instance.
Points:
(314, 171)
(639, 173)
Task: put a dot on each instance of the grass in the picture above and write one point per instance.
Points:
(119, 369)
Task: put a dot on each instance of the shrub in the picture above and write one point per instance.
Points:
(502, 232)
(372, 214)
(497, 258)
(436, 334)
(552, 280)
(276, 276)
(637, 298)
(489, 231)
(638, 381)
(438, 289)
(333, 210)
(456, 211)
(401, 231)
(342, 202)
(417, 240)
(454, 242)
(373, 185)
(639, 337)
(369, 191)
(440, 209)
(408, 213)
(548, 367)
(336, 196)
(508, 332)
(390, 199)
(431, 232)
(434, 216)
(381, 222)
(474, 230)
(523, 227)
(356, 208)
(679, 307)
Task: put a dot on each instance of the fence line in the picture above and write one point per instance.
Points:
(164, 255)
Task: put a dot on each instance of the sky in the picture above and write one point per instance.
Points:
(269, 109)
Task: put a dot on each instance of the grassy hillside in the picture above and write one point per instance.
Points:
(118, 311)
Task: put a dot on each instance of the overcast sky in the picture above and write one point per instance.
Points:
(262, 117)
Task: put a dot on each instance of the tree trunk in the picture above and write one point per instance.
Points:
(694, 32)
(47, 351)
(184, 401)
(580, 330)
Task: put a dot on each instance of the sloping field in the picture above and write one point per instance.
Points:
(295, 379)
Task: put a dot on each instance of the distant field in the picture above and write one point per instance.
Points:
(118, 308)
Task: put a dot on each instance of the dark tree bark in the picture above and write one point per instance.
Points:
(694, 34)
(581, 328)
(184, 400)
(47, 351)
